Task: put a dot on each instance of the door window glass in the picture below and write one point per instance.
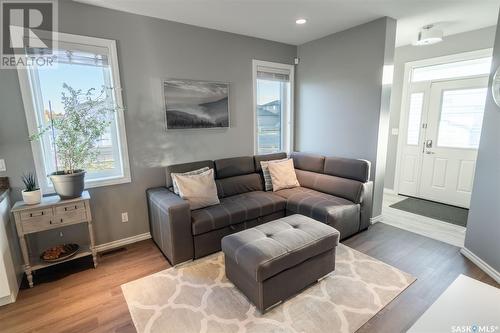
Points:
(461, 118)
(414, 118)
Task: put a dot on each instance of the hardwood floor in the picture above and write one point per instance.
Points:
(91, 300)
(435, 265)
(86, 301)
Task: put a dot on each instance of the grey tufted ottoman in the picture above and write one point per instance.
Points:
(274, 261)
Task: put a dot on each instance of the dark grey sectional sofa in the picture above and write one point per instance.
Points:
(333, 190)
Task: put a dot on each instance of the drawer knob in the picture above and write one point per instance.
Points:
(61, 220)
(50, 222)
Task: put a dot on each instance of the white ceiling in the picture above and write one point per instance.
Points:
(275, 19)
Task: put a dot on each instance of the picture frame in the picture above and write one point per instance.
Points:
(195, 104)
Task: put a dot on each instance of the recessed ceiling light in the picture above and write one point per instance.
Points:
(300, 21)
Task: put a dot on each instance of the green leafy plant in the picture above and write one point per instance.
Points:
(77, 131)
(29, 182)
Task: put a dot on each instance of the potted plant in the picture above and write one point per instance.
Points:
(75, 134)
(31, 194)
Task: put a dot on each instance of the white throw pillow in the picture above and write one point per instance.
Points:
(283, 175)
(200, 190)
(194, 172)
(268, 184)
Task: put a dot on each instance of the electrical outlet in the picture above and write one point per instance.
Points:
(125, 217)
(2, 165)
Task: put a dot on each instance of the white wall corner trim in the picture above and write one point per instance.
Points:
(494, 274)
(122, 242)
(376, 219)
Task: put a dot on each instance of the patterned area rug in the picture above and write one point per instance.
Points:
(197, 297)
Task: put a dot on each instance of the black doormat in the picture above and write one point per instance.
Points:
(435, 210)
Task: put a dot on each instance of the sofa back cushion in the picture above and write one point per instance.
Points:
(340, 187)
(198, 189)
(235, 166)
(267, 157)
(348, 168)
(283, 175)
(185, 167)
(308, 162)
(239, 184)
(194, 172)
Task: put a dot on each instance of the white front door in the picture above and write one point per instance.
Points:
(454, 123)
(444, 126)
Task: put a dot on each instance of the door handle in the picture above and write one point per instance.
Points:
(428, 143)
(429, 152)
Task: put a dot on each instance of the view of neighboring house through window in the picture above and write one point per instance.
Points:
(273, 107)
(81, 67)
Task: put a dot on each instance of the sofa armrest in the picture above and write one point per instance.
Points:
(170, 224)
(366, 205)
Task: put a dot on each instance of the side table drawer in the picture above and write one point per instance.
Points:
(36, 219)
(70, 213)
(36, 214)
(37, 224)
(64, 209)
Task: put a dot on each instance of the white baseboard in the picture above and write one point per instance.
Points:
(495, 275)
(122, 242)
(375, 219)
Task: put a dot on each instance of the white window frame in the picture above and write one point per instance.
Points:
(287, 138)
(408, 70)
(31, 116)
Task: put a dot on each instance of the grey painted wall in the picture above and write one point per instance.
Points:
(149, 50)
(467, 41)
(340, 108)
(483, 226)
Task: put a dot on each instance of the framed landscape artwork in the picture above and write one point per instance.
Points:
(196, 104)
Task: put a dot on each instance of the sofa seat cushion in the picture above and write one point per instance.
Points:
(273, 247)
(340, 213)
(236, 209)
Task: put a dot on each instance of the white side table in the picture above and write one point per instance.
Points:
(52, 213)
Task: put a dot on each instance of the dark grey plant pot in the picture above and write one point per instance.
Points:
(68, 186)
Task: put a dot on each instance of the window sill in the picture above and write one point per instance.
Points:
(96, 183)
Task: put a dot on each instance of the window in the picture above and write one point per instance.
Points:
(273, 87)
(81, 63)
(452, 70)
(414, 118)
(461, 118)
